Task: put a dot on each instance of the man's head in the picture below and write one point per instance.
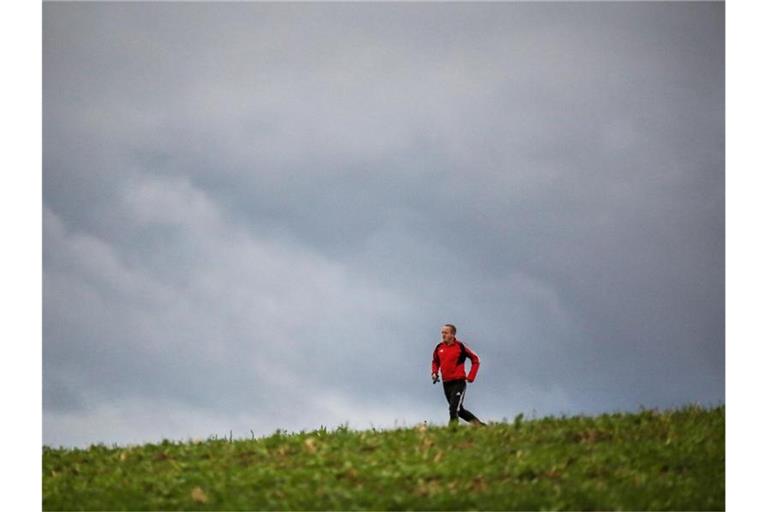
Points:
(449, 333)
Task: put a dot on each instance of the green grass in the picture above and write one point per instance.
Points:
(650, 460)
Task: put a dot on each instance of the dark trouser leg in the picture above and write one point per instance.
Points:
(462, 412)
(466, 415)
(454, 391)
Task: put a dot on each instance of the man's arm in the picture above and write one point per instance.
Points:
(475, 363)
(435, 365)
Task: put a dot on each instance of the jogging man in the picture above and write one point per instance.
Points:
(449, 357)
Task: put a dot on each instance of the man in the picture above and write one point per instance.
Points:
(449, 357)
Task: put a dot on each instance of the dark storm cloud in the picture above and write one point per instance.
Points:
(259, 215)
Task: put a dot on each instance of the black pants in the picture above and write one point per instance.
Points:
(454, 393)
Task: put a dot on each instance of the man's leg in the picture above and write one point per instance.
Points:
(468, 416)
(453, 395)
(464, 413)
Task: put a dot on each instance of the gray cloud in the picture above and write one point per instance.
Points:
(257, 216)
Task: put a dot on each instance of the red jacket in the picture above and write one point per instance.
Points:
(450, 360)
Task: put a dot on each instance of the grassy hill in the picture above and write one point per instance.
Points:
(649, 460)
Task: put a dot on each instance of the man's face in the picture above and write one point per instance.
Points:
(448, 335)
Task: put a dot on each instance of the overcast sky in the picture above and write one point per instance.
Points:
(258, 216)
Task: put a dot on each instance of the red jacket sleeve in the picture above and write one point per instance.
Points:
(475, 363)
(435, 361)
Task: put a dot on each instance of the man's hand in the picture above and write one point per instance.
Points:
(434, 378)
